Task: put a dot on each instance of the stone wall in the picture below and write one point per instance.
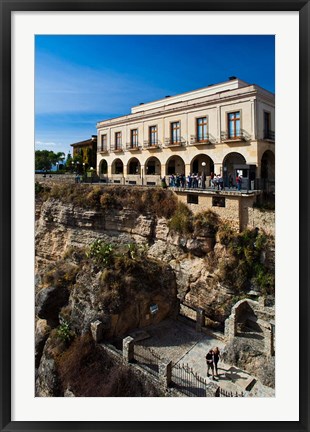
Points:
(264, 220)
(55, 178)
(236, 210)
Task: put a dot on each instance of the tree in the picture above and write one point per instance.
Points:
(45, 159)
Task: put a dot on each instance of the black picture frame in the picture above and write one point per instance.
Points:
(7, 7)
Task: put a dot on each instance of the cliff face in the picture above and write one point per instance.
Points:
(192, 266)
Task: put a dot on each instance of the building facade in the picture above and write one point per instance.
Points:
(86, 152)
(226, 129)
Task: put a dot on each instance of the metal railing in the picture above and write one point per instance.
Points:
(200, 140)
(169, 142)
(133, 146)
(241, 136)
(117, 147)
(147, 358)
(188, 382)
(151, 144)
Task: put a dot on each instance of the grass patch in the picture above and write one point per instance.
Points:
(156, 201)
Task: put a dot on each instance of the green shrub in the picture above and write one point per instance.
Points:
(225, 234)
(182, 220)
(101, 252)
(64, 332)
(206, 223)
(246, 268)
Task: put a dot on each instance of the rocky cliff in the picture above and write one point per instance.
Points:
(151, 252)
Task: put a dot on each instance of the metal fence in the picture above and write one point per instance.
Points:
(147, 358)
(225, 393)
(188, 382)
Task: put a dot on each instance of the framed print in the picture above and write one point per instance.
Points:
(154, 276)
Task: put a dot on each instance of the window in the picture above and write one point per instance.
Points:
(202, 129)
(234, 130)
(267, 125)
(192, 199)
(134, 138)
(218, 202)
(153, 135)
(118, 140)
(103, 142)
(175, 132)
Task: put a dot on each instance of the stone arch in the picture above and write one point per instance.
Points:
(117, 166)
(152, 166)
(246, 320)
(103, 167)
(175, 165)
(231, 163)
(198, 168)
(268, 166)
(134, 166)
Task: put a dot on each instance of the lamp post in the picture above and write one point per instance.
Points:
(203, 177)
(57, 166)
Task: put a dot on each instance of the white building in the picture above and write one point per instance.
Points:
(226, 128)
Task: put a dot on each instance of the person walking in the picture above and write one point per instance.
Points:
(210, 363)
(216, 358)
(239, 182)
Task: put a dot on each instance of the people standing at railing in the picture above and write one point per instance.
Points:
(211, 179)
(239, 182)
(230, 181)
(220, 182)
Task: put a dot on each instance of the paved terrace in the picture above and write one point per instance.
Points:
(176, 341)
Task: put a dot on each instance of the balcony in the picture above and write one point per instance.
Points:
(151, 145)
(206, 139)
(269, 135)
(103, 151)
(172, 143)
(242, 136)
(117, 148)
(133, 147)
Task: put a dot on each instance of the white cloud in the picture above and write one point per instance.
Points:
(46, 144)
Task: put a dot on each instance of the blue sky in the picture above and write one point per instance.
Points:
(80, 80)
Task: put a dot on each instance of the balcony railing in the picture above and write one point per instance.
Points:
(201, 140)
(169, 142)
(117, 148)
(269, 135)
(241, 136)
(151, 144)
(103, 150)
(133, 146)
